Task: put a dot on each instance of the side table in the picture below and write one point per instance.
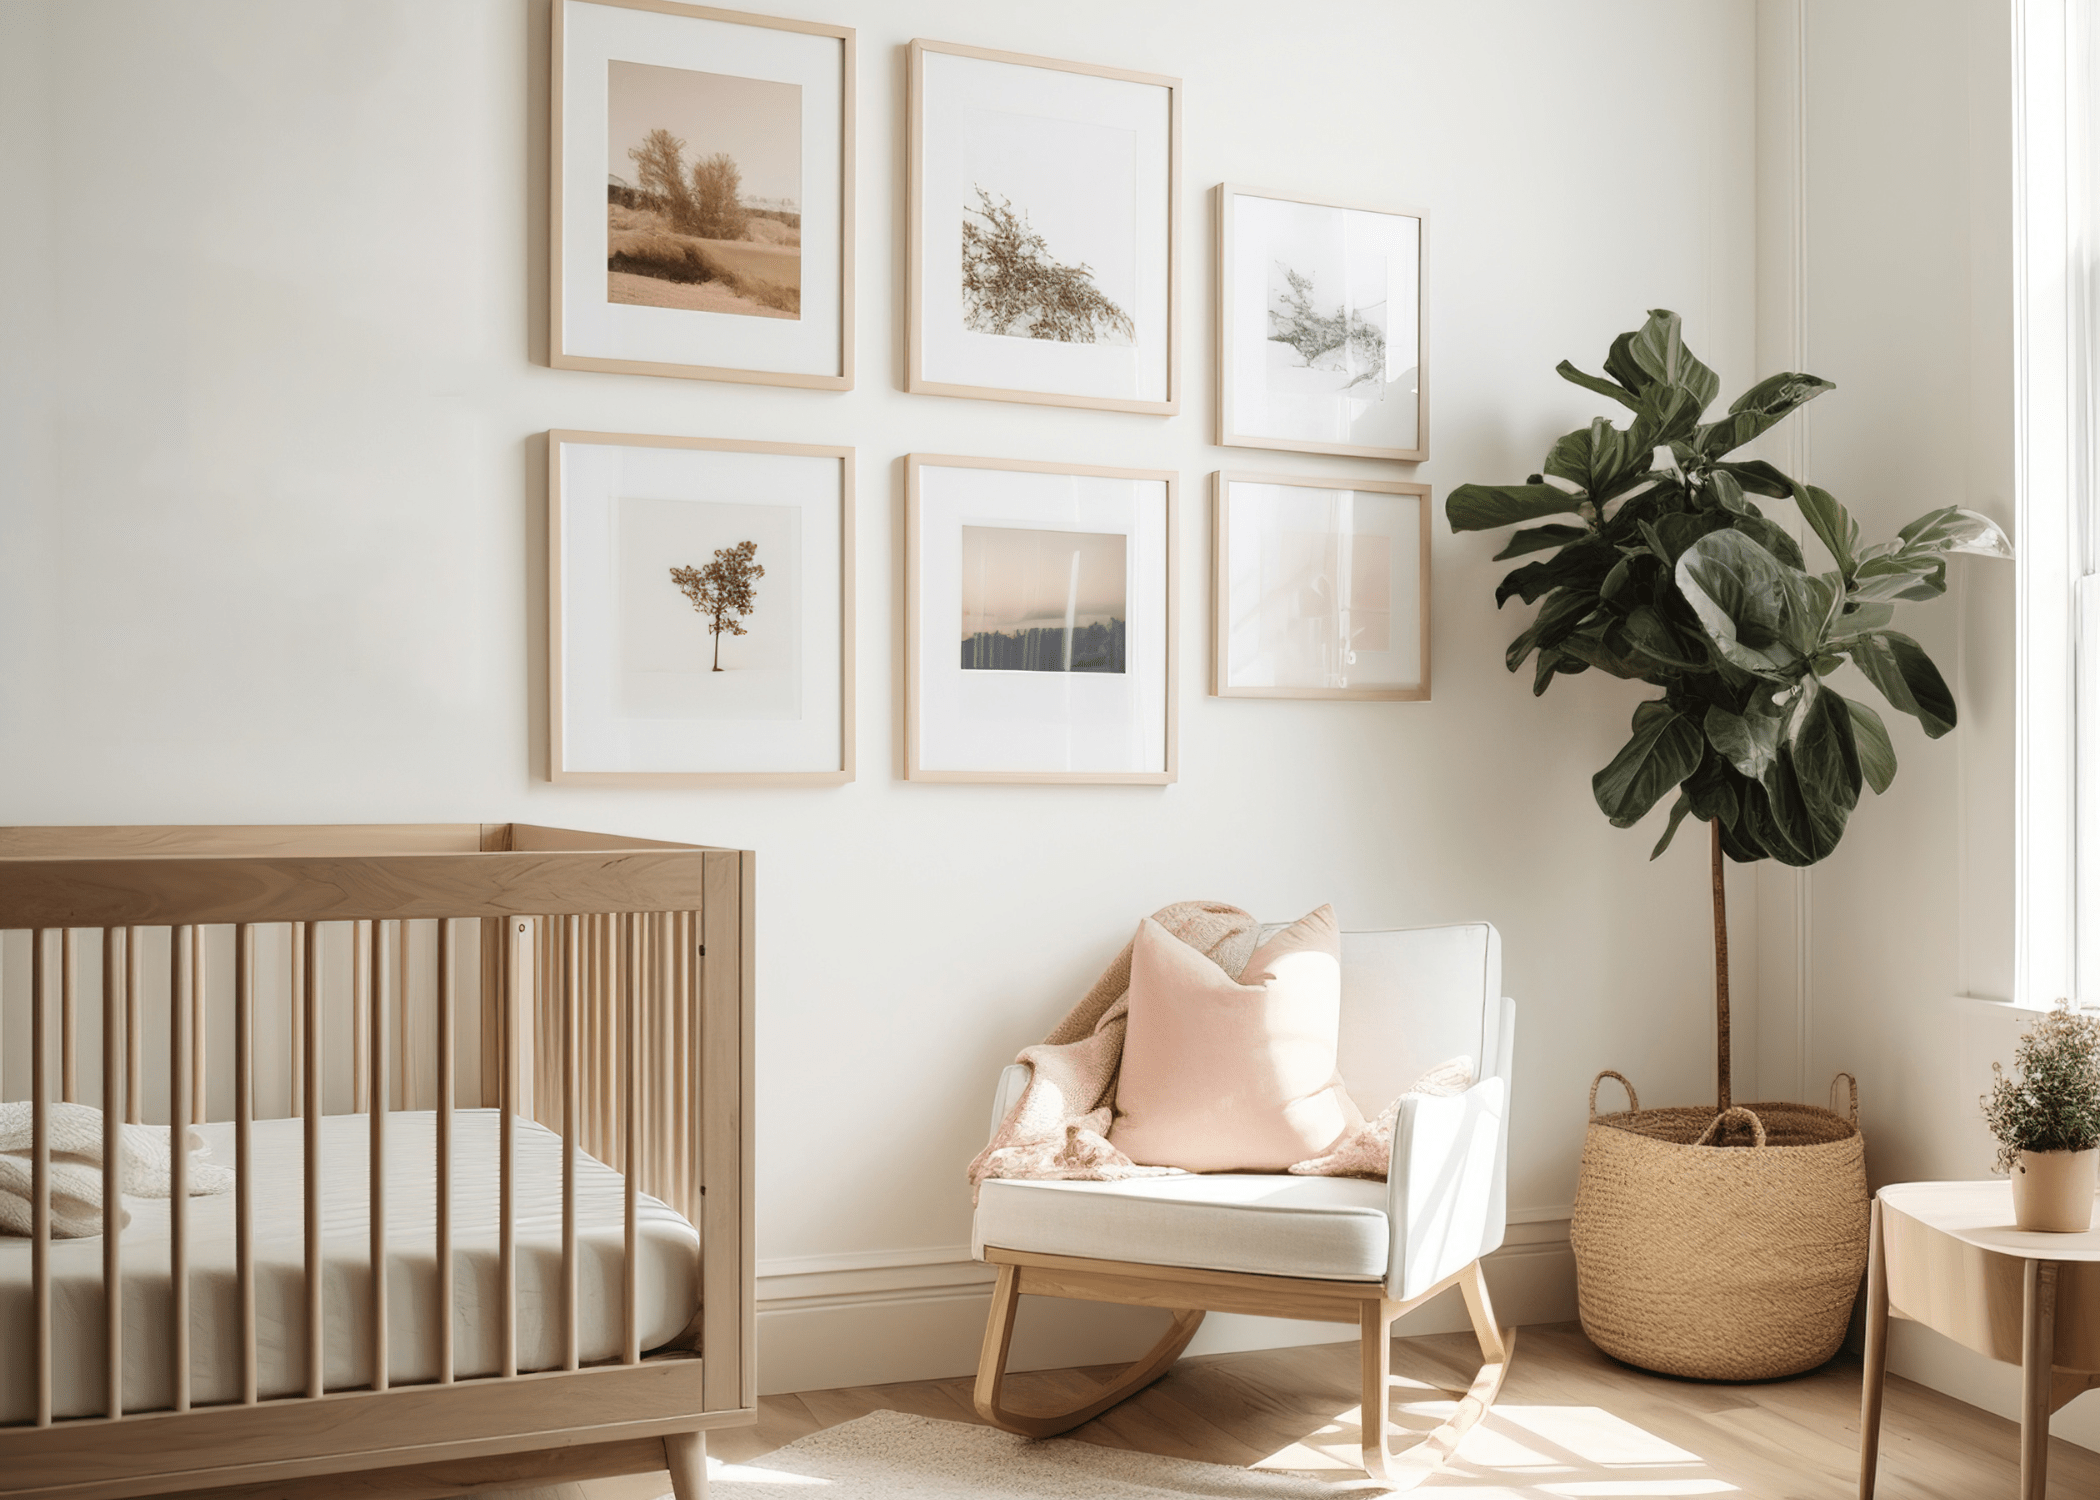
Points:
(1946, 1254)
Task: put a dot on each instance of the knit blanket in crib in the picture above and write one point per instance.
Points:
(145, 1168)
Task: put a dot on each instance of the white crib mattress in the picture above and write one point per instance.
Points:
(667, 1273)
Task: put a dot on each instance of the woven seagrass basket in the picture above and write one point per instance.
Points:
(1736, 1263)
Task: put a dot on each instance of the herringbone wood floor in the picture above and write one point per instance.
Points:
(1570, 1422)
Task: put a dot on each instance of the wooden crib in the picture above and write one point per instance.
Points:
(486, 1091)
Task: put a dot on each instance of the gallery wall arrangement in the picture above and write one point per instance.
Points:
(700, 590)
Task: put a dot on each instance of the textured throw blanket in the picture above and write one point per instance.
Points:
(1059, 1126)
(145, 1167)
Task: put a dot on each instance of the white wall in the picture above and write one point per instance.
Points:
(270, 291)
(1905, 234)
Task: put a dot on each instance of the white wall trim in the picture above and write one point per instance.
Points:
(870, 1318)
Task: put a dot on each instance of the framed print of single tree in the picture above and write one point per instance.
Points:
(702, 194)
(1042, 227)
(1321, 326)
(675, 657)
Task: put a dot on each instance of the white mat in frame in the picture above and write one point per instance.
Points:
(633, 697)
(1323, 317)
(782, 91)
(1040, 607)
(1320, 587)
(1073, 168)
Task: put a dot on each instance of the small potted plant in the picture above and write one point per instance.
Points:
(2047, 1122)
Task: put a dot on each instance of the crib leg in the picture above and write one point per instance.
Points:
(685, 1455)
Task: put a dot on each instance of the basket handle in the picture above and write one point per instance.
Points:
(1854, 1082)
(1757, 1126)
(1632, 1098)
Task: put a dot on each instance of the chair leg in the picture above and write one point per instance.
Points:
(685, 1455)
(991, 1368)
(1408, 1468)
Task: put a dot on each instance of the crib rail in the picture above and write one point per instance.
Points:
(603, 987)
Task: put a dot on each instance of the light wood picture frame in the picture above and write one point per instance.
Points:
(1323, 325)
(735, 263)
(1011, 160)
(1320, 588)
(633, 651)
(1087, 697)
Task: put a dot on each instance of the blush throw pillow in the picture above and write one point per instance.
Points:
(1224, 1076)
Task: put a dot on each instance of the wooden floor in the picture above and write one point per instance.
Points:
(1570, 1422)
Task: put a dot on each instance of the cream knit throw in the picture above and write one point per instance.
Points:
(75, 1132)
(1059, 1126)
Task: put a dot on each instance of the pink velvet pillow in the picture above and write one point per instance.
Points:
(1220, 1076)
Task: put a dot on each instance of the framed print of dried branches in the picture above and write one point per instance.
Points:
(1042, 227)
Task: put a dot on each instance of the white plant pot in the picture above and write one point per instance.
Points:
(2053, 1190)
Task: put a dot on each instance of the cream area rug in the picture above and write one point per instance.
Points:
(888, 1455)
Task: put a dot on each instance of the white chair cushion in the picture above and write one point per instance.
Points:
(1328, 1228)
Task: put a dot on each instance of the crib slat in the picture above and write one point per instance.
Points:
(375, 1211)
(134, 1027)
(310, 1100)
(630, 1118)
(112, 1179)
(200, 1055)
(181, 981)
(243, 1154)
(360, 1019)
(506, 1232)
(571, 978)
(447, 997)
(40, 1169)
(68, 1017)
(403, 1094)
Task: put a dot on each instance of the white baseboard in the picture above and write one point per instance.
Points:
(869, 1319)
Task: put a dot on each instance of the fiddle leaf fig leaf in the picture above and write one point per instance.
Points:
(1832, 524)
(1611, 388)
(1482, 507)
(1658, 349)
(1905, 675)
(1678, 809)
(1538, 539)
(1750, 744)
(1760, 407)
(1759, 478)
(1664, 750)
(1956, 530)
(1621, 366)
(1823, 761)
(1877, 756)
(1750, 604)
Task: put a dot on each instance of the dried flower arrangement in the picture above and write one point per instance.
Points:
(2054, 1105)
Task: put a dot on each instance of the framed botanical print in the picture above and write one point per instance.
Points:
(1042, 228)
(1321, 319)
(1039, 622)
(702, 194)
(699, 611)
(1320, 588)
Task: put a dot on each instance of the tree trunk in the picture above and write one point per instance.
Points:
(1723, 1060)
(718, 655)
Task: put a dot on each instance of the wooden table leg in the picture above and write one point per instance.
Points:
(1874, 1367)
(2037, 1385)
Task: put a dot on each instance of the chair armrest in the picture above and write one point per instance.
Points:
(1445, 1185)
(1013, 1079)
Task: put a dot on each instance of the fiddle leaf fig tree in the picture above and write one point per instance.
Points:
(1664, 569)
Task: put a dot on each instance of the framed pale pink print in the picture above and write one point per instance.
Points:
(1322, 318)
(1039, 622)
(1320, 588)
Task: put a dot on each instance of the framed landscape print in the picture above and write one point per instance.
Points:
(702, 194)
(699, 611)
(1039, 622)
(1321, 313)
(1042, 228)
(1320, 589)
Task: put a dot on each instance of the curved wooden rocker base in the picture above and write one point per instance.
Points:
(991, 1369)
(1187, 1293)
